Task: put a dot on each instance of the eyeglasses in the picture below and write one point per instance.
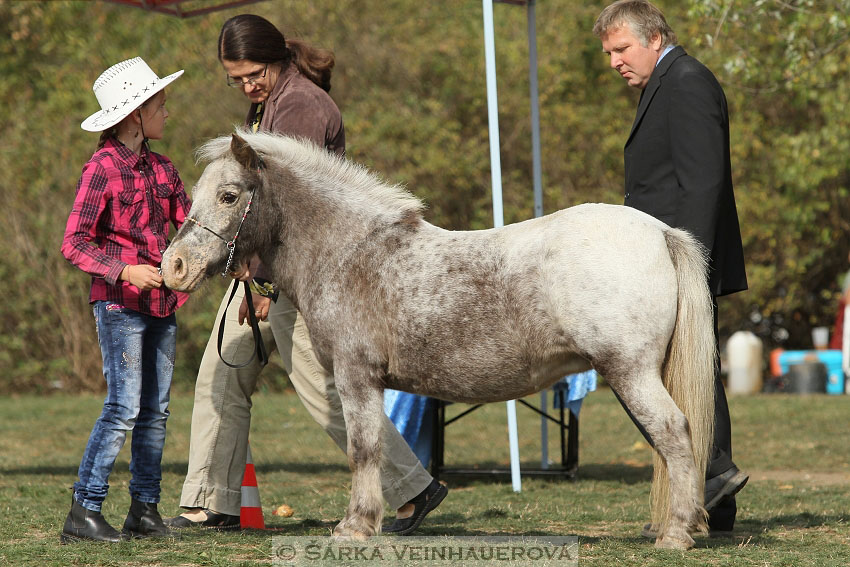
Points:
(239, 82)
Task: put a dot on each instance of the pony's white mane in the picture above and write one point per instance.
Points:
(319, 167)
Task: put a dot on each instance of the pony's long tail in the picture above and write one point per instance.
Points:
(688, 372)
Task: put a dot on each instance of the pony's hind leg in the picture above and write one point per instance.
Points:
(363, 407)
(651, 406)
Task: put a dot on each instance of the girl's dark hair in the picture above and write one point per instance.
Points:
(254, 38)
(106, 134)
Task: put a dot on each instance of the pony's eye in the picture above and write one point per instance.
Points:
(229, 198)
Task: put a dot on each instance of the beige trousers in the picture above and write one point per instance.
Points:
(221, 416)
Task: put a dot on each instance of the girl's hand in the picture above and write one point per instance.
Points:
(143, 276)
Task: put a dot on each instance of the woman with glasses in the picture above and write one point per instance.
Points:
(287, 82)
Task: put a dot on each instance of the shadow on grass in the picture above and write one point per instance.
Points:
(776, 528)
(57, 470)
(302, 468)
(747, 532)
(458, 525)
(491, 473)
(801, 520)
(767, 532)
(297, 527)
(629, 474)
(181, 468)
(489, 476)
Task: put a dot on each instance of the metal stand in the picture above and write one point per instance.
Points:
(568, 428)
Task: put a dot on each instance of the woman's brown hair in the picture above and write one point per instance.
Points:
(254, 38)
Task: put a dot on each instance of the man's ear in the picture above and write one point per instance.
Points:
(655, 42)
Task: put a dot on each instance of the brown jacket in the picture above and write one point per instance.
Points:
(299, 107)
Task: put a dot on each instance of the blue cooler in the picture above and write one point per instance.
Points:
(830, 358)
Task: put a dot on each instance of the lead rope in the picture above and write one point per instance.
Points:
(260, 347)
(260, 350)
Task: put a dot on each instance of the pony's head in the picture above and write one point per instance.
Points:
(305, 202)
(218, 234)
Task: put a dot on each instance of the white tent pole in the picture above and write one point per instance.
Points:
(498, 215)
(535, 110)
(538, 188)
(493, 113)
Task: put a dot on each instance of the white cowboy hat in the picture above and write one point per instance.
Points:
(121, 89)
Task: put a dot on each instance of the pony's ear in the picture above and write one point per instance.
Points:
(244, 153)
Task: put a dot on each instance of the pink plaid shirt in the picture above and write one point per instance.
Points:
(120, 217)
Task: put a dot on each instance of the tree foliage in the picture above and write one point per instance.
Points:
(411, 86)
(783, 64)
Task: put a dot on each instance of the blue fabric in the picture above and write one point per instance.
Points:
(411, 414)
(577, 386)
(138, 362)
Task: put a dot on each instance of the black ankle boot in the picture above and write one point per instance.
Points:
(82, 524)
(144, 520)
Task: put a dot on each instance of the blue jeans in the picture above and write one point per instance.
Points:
(138, 361)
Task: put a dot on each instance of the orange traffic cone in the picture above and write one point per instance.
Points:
(251, 513)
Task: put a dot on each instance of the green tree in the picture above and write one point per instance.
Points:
(410, 83)
(783, 65)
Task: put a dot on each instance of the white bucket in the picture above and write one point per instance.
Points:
(820, 337)
(744, 355)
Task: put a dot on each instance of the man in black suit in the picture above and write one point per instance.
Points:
(678, 170)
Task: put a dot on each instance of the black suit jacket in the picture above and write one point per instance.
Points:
(677, 163)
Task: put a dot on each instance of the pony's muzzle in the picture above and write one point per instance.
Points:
(174, 271)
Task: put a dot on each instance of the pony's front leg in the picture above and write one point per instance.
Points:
(363, 408)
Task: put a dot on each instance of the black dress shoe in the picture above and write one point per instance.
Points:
(214, 521)
(724, 486)
(144, 520)
(83, 524)
(426, 501)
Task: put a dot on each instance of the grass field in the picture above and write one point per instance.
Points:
(793, 512)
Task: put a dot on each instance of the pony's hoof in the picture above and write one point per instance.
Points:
(345, 530)
(668, 542)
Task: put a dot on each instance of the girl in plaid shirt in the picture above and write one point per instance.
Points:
(116, 232)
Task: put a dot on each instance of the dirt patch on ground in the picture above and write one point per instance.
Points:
(814, 477)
